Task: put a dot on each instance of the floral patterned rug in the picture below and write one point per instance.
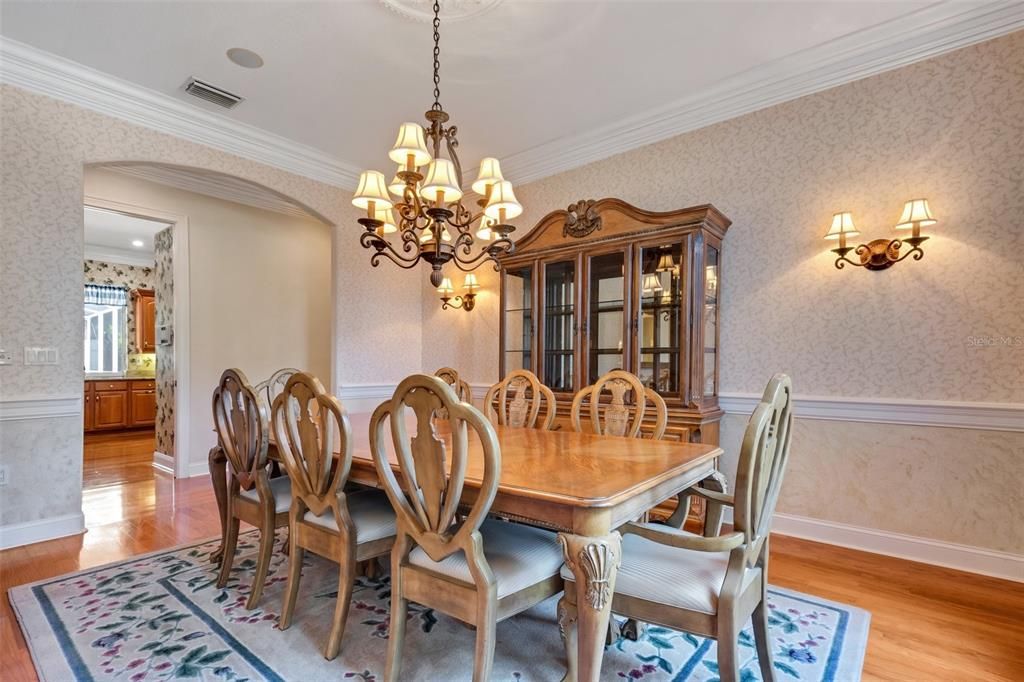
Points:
(161, 616)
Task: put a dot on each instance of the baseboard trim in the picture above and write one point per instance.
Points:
(163, 462)
(18, 534)
(198, 469)
(912, 548)
(940, 413)
(50, 407)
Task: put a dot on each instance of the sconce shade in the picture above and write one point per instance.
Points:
(842, 224)
(446, 288)
(490, 174)
(502, 197)
(915, 211)
(410, 141)
(485, 233)
(372, 187)
(386, 216)
(471, 285)
(428, 235)
(651, 284)
(665, 263)
(397, 186)
(441, 177)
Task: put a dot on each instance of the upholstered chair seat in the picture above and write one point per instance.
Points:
(371, 514)
(281, 487)
(519, 556)
(679, 578)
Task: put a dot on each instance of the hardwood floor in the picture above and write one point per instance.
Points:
(927, 623)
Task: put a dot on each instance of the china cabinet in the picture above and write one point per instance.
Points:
(604, 285)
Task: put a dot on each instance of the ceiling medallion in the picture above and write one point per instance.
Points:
(454, 10)
(432, 223)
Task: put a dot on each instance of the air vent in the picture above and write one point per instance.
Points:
(211, 93)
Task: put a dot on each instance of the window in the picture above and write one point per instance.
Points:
(104, 329)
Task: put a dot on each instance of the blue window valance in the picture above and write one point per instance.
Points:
(106, 294)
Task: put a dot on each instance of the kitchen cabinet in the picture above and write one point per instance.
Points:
(145, 320)
(113, 404)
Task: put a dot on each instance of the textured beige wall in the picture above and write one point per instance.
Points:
(44, 145)
(950, 129)
(259, 285)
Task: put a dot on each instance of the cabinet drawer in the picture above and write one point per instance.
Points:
(143, 385)
(99, 385)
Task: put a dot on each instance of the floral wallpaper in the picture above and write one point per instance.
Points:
(165, 373)
(130, 277)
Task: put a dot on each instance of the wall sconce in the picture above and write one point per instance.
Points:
(880, 254)
(466, 301)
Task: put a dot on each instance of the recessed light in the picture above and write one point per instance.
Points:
(138, 243)
(245, 58)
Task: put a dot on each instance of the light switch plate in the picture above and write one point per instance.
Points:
(40, 356)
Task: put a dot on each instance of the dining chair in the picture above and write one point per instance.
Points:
(621, 417)
(708, 586)
(516, 401)
(461, 388)
(314, 438)
(268, 389)
(477, 570)
(240, 420)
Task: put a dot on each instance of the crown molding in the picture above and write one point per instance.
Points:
(33, 69)
(929, 32)
(109, 254)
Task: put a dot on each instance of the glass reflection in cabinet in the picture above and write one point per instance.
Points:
(660, 324)
(559, 325)
(518, 314)
(711, 322)
(605, 328)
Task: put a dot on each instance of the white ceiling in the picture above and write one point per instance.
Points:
(109, 236)
(523, 80)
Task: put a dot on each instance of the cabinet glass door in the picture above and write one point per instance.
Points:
(660, 321)
(518, 288)
(559, 325)
(711, 322)
(605, 314)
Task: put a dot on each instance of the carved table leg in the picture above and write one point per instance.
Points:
(594, 562)
(716, 482)
(217, 463)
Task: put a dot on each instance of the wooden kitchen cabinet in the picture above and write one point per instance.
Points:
(112, 404)
(145, 320)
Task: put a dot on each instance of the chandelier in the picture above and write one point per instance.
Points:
(432, 223)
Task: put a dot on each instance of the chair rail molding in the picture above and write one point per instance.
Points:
(33, 69)
(940, 413)
(40, 407)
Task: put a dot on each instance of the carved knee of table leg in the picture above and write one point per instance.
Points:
(567, 629)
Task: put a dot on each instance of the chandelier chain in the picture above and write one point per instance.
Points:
(436, 106)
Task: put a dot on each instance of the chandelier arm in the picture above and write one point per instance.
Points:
(400, 262)
(487, 254)
(371, 240)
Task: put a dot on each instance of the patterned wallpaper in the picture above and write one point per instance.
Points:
(163, 278)
(130, 277)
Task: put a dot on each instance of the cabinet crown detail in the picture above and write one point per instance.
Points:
(581, 219)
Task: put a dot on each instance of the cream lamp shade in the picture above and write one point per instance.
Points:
(916, 214)
(471, 285)
(651, 284)
(842, 225)
(397, 185)
(441, 182)
(485, 232)
(503, 204)
(386, 216)
(665, 263)
(411, 141)
(372, 187)
(446, 288)
(490, 174)
(428, 235)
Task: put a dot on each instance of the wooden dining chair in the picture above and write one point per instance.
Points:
(620, 417)
(517, 399)
(708, 586)
(268, 389)
(462, 389)
(240, 420)
(477, 570)
(314, 438)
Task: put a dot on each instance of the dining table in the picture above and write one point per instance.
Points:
(582, 485)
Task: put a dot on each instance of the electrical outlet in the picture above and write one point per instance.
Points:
(6, 357)
(40, 356)
(3, 474)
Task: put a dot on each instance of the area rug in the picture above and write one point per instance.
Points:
(161, 616)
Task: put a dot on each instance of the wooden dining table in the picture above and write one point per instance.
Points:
(582, 485)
